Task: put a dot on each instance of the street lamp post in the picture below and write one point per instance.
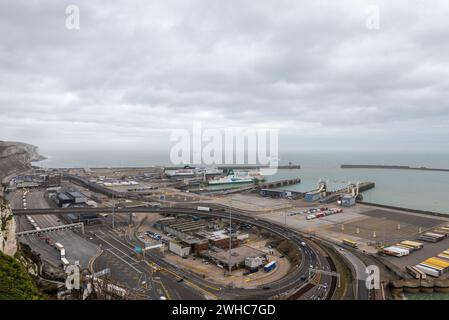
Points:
(113, 211)
(230, 240)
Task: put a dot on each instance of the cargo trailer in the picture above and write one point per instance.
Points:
(396, 251)
(431, 237)
(409, 248)
(270, 266)
(443, 256)
(415, 272)
(414, 244)
(428, 271)
(432, 266)
(64, 262)
(350, 243)
(439, 262)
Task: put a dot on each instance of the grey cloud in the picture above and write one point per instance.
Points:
(135, 71)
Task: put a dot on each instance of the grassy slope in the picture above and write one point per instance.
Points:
(15, 283)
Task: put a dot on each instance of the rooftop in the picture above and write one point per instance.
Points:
(238, 255)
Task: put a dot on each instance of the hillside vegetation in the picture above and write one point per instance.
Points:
(15, 283)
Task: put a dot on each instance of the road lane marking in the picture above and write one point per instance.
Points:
(166, 293)
(137, 270)
(124, 253)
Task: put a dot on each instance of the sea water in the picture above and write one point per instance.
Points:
(423, 190)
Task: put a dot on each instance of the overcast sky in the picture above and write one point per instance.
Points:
(137, 69)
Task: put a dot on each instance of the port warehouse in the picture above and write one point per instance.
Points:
(194, 234)
(64, 199)
(282, 194)
(312, 196)
(34, 181)
(208, 241)
(242, 256)
(347, 199)
(74, 199)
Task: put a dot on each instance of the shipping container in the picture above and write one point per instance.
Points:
(206, 209)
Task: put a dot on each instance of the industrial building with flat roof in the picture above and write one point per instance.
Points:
(69, 198)
(199, 235)
(181, 228)
(236, 258)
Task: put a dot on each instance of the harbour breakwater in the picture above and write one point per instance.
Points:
(243, 167)
(375, 166)
(419, 285)
(430, 213)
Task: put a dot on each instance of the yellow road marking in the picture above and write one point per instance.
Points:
(191, 283)
(201, 289)
(167, 294)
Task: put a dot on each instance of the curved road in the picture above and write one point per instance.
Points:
(291, 282)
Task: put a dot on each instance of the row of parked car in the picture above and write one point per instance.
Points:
(153, 235)
(322, 212)
(316, 211)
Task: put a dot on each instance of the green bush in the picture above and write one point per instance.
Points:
(15, 282)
